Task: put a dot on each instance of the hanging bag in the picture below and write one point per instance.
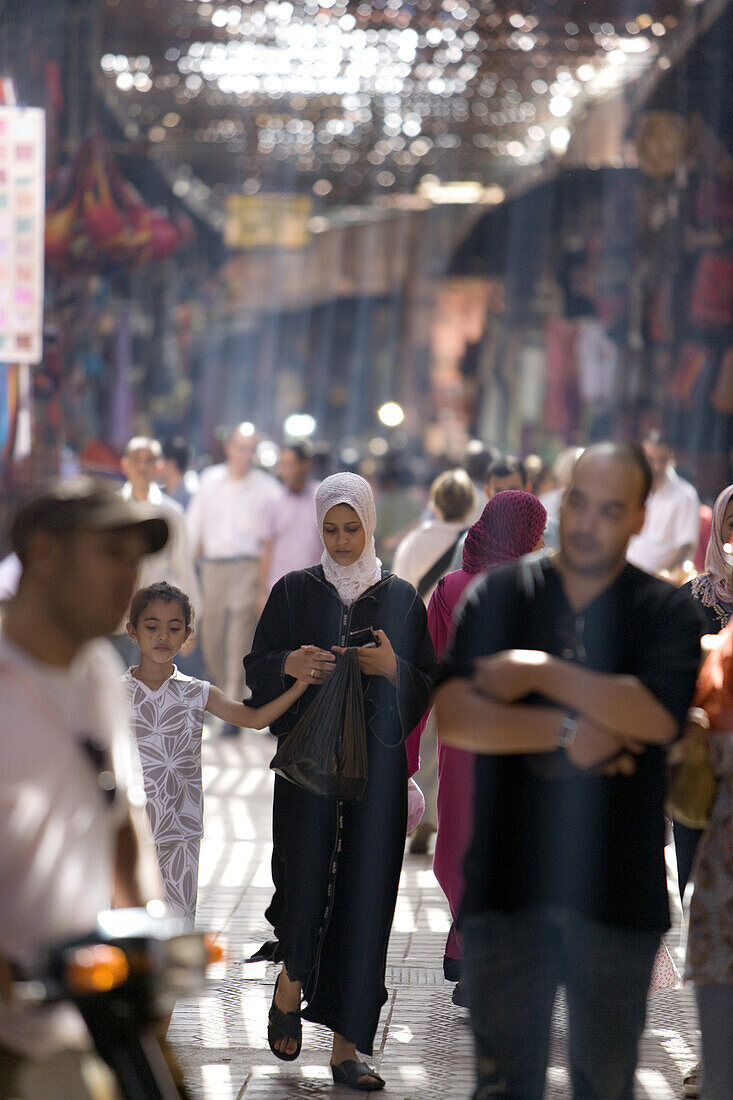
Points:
(691, 787)
(325, 752)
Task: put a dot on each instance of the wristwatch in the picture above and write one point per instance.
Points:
(567, 730)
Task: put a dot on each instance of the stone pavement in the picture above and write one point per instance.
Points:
(423, 1047)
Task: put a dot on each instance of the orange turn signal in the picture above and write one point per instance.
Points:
(214, 948)
(96, 968)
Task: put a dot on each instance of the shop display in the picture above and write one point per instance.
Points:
(22, 178)
(98, 220)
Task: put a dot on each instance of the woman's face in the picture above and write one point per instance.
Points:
(343, 535)
(726, 527)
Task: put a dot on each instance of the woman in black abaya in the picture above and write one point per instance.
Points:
(336, 864)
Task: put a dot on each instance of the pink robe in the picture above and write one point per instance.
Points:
(455, 768)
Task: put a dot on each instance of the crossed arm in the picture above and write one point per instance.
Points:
(619, 703)
(617, 714)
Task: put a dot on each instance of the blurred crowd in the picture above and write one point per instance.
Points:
(566, 604)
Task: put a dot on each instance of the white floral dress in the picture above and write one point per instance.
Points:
(168, 724)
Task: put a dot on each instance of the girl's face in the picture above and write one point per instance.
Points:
(726, 527)
(160, 631)
(343, 535)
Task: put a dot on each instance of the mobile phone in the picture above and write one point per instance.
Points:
(365, 637)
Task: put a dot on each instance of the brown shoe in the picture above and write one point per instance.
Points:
(419, 838)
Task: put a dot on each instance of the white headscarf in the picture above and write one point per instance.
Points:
(350, 581)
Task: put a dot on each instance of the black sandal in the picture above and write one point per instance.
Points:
(266, 953)
(283, 1025)
(348, 1073)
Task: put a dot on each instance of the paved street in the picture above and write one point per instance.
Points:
(423, 1048)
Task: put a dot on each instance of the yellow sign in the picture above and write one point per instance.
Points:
(267, 221)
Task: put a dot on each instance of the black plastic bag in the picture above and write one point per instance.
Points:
(325, 752)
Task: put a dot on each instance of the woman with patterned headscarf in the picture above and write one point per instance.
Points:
(713, 589)
(511, 525)
(336, 863)
(709, 942)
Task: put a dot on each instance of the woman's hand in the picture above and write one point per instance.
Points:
(379, 660)
(310, 664)
(697, 729)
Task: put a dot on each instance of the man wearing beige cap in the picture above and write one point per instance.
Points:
(71, 801)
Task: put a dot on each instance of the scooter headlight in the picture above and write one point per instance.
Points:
(96, 968)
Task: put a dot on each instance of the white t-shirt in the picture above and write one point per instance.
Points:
(224, 519)
(174, 563)
(423, 547)
(58, 829)
(672, 522)
(167, 725)
(10, 571)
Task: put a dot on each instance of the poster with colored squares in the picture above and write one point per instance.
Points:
(22, 183)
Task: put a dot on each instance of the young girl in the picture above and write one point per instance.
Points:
(168, 714)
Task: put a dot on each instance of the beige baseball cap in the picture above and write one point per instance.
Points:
(83, 502)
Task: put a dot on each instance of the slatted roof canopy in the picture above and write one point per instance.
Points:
(356, 100)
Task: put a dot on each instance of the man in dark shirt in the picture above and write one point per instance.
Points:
(568, 674)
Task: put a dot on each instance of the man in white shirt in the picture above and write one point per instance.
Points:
(672, 524)
(291, 539)
(10, 570)
(71, 796)
(562, 471)
(225, 526)
(174, 563)
(176, 477)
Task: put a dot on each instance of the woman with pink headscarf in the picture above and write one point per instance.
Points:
(511, 524)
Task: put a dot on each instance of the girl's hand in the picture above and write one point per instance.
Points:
(309, 664)
(377, 660)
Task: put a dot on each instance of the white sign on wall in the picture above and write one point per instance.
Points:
(22, 201)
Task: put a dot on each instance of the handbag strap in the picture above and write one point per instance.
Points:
(438, 568)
